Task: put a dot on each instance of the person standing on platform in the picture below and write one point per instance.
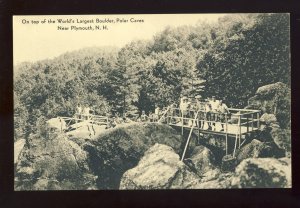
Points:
(184, 108)
(172, 113)
(214, 110)
(208, 110)
(200, 108)
(86, 112)
(78, 112)
(223, 112)
(150, 116)
(156, 114)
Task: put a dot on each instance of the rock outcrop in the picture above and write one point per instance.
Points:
(121, 148)
(159, 168)
(274, 99)
(269, 119)
(146, 156)
(222, 181)
(256, 149)
(262, 173)
(53, 164)
(282, 138)
(202, 160)
(56, 123)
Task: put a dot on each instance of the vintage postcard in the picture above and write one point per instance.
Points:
(152, 101)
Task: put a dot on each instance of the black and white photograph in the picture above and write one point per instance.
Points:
(152, 101)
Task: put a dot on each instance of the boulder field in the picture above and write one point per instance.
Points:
(147, 156)
(144, 156)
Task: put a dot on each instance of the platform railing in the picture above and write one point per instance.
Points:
(236, 117)
(91, 118)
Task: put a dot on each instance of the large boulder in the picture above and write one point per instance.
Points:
(222, 181)
(274, 99)
(282, 138)
(228, 163)
(202, 160)
(276, 135)
(263, 173)
(268, 119)
(160, 168)
(119, 149)
(57, 163)
(260, 149)
(57, 124)
(85, 130)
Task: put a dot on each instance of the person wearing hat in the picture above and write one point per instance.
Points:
(223, 112)
(86, 112)
(156, 114)
(208, 113)
(184, 107)
(200, 108)
(214, 110)
(78, 111)
(192, 110)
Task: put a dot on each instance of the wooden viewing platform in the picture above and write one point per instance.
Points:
(237, 124)
(72, 122)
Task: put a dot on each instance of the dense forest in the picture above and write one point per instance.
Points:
(230, 59)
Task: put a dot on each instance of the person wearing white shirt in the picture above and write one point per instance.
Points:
(200, 108)
(184, 107)
(156, 114)
(78, 111)
(86, 112)
(208, 114)
(223, 111)
(214, 104)
(214, 109)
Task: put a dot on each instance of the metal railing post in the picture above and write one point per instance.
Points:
(247, 121)
(188, 140)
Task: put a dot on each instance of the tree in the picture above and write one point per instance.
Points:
(249, 51)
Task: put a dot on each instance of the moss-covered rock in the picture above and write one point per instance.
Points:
(274, 99)
(260, 149)
(202, 160)
(262, 173)
(282, 138)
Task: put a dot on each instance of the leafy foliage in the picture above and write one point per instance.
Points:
(252, 52)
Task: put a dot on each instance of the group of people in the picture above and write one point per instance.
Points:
(82, 112)
(113, 121)
(152, 117)
(209, 110)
